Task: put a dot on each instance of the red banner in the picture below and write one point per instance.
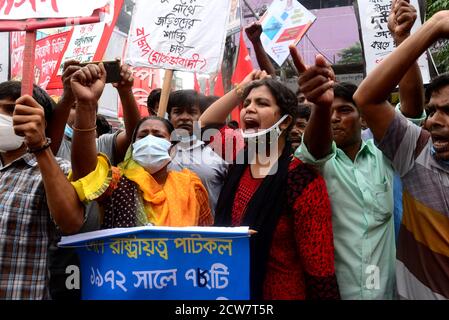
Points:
(55, 81)
(145, 80)
(47, 53)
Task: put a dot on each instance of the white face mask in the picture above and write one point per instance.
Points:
(152, 153)
(8, 139)
(266, 132)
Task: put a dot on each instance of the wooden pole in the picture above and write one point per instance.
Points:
(166, 88)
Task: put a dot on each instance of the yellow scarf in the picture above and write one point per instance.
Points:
(175, 203)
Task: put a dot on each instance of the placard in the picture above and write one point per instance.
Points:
(377, 40)
(163, 263)
(178, 34)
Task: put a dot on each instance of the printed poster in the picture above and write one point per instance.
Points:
(285, 22)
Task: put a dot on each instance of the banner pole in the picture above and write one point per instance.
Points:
(166, 89)
(28, 63)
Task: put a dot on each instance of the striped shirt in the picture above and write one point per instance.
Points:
(422, 258)
(26, 229)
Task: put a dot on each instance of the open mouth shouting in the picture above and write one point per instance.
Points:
(251, 125)
(440, 142)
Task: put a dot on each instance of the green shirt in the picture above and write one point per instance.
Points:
(361, 194)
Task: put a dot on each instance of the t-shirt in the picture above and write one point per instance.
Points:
(202, 160)
(422, 258)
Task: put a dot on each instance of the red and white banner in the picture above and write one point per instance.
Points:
(47, 53)
(145, 80)
(88, 42)
(28, 9)
(178, 35)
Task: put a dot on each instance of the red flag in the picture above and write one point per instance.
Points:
(244, 65)
(218, 87)
(196, 84)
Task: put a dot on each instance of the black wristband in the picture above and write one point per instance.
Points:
(45, 146)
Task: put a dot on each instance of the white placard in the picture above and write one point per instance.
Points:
(377, 40)
(178, 34)
(4, 56)
(235, 17)
(284, 23)
(83, 43)
(26, 9)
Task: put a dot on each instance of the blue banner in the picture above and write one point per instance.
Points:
(163, 263)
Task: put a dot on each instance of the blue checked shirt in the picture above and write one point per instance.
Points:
(26, 229)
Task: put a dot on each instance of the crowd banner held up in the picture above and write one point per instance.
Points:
(29, 9)
(22, 16)
(4, 58)
(163, 263)
(285, 22)
(376, 38)
(88, 43)
(178, 35)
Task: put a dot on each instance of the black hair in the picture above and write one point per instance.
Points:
(345, 91)
(437, 84)
(206, 101)
(12, 90)
(183, 99)
(304, 111)
(167, 124)
(153, 99)
(285, 98)
(103, 125)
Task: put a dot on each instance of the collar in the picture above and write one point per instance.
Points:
(366, 146)
(28, 158)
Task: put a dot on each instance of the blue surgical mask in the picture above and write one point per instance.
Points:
(68, 131)
(152, 153)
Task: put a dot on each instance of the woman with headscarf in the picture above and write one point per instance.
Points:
(140, 190)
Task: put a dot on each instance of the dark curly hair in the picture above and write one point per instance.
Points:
(285, 98)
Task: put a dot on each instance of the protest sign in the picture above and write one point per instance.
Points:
(376, 38)
(145, 80)
(284, 23)
(163, 263)
(88, 42)
(47, 53)
(4, 57)
(235, 17)
(178, 35)
(83, 43)
(27, 9)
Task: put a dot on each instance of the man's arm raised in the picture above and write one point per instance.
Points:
(373, 92)
(63, 202)
(316, 82)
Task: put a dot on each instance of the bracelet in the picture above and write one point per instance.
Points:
(239, 90)
(45, 146)
(84, 130)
